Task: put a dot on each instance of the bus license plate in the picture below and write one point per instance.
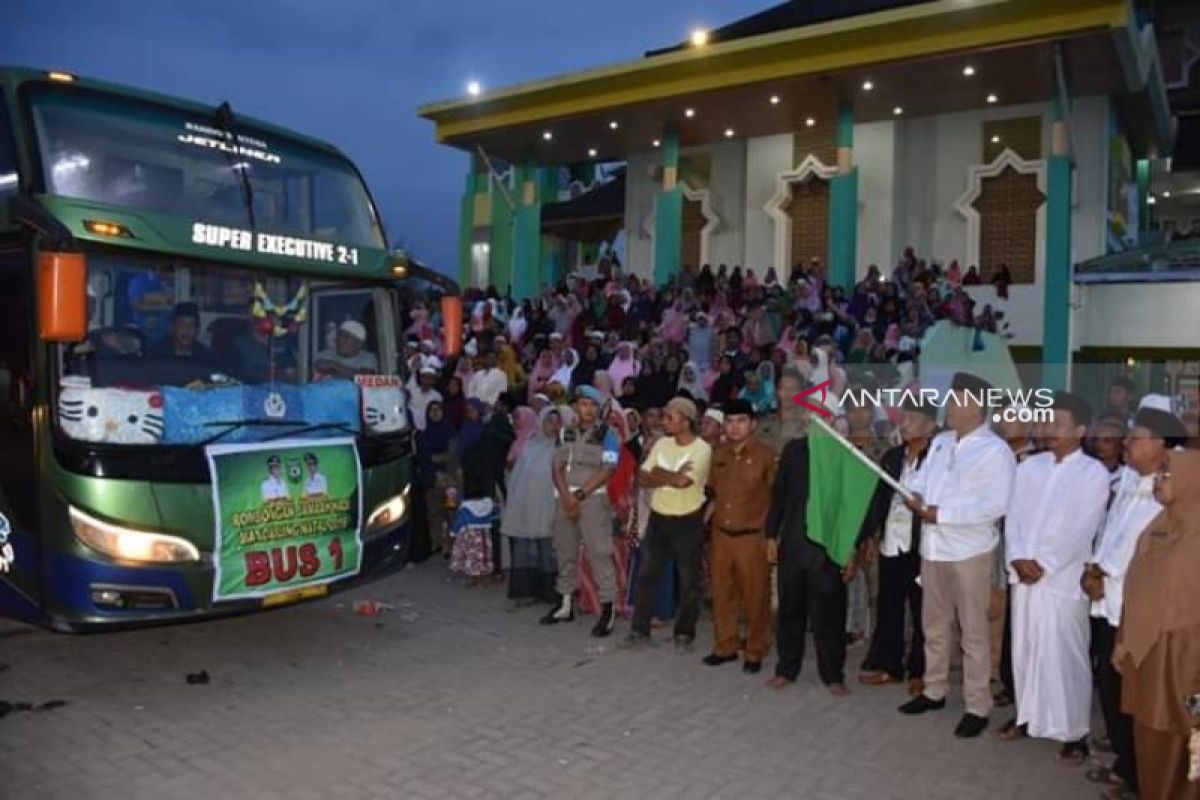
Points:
(294, 595)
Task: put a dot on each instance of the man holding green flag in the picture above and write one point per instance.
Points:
(819, 501)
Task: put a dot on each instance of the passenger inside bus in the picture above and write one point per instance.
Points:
(181, 341)
(348, 356)
(257, 356)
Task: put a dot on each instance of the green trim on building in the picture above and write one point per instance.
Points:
(1143, 188)
(843, 229)
(527, 234)
(500, 261)
(554, 259)
(845, 126)
(1056, 309)
(668, 234)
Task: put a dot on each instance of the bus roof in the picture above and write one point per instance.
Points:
(14, 76)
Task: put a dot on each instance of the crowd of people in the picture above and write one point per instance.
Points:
(630, 451)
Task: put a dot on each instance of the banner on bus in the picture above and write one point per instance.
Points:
(288, 515)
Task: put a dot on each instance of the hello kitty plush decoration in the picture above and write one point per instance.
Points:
(111, 416)
(383, 406)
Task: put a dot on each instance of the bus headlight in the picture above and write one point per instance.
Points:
(128, 544)
(388, 514)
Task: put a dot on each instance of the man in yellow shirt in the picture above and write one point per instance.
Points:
(676, 470)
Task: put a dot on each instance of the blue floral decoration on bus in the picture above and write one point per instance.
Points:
(7, 556)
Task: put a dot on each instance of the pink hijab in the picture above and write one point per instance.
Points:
(526, 428)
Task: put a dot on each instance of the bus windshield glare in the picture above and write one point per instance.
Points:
(123, 152)
(232, 354)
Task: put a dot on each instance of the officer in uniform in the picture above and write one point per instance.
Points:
(582, 467)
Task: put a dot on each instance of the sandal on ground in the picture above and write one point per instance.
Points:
(1104, 776)
(876, 678)
(1012, 731)
(1102, 744)
(1073, 753)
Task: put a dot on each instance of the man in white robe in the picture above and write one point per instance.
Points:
(1058, 501)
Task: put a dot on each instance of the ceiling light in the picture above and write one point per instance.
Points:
(868, 86)
(613, 125)
(689, 112)
(991, 98)
(699, 37)
(591, 152)
(995, 138)
(968, 71)
(473, 88)
(656, 143)
(729, 133)
(547, 135)
(897, 111)
(774, 99)
(1150, 200)
(810, 122)
(1166, 193)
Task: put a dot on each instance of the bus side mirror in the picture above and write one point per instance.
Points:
(452, 324)
(62, 297)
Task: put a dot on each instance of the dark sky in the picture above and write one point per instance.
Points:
(352, 72)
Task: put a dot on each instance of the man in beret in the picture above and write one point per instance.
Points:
(1154, 433)
(895, 539)
(739, 484)
(676, 470)
(961, 495)
(581, 469)
(1058, 502)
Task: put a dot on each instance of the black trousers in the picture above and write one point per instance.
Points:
(680, 538)
(1119, 725)
(1006, 668)
(898, 590)
(813, 595)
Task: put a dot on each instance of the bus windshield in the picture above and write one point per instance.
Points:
(125, 152)
(183, 352)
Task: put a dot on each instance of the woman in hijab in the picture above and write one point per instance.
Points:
(543, 370)
(564, 375)
(674, 323)
(454, 403)
(525, 426)
(472, 428)
(603, 384)
(727, 385)
(624, 364)
(692, 381)
(434, 454)
(629, 394)
(510, 365)
(654, 385)
(588, 366)
(1158, 644)
(528, 517)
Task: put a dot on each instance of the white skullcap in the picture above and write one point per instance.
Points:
(355, 329)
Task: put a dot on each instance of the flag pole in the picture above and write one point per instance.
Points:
(861, 456)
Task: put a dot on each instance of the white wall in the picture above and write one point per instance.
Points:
(875, 153)
(1138, 315)
(766, 158)
(728, 191)
(640, 190)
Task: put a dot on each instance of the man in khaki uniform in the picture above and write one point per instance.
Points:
(776, 430)
(582, 467)
(739, 484)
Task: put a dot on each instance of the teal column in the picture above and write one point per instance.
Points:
(466, 229)
(668, 214)
(500, 258)
(527, 233)
(1056, 305)
(843, 205)
(554, 259)
(1143, 188)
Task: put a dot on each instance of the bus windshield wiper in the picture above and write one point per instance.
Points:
(224, 120)
(323, 426)
(237, 424)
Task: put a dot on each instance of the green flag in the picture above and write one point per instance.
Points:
(839, 493)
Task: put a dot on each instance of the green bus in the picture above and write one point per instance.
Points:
(201, 409)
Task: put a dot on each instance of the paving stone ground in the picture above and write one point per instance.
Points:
(453, 694)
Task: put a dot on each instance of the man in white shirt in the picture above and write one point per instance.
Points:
(420, 394)
(315, 485)
(487, 384)
(961, 494)
(1132, 508)
(273, 488)
(1058, 501)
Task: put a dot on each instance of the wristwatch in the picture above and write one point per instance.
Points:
(579, 495)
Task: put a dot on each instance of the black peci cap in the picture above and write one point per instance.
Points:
(737, 408)
(1163, 424)
(1081, 410)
